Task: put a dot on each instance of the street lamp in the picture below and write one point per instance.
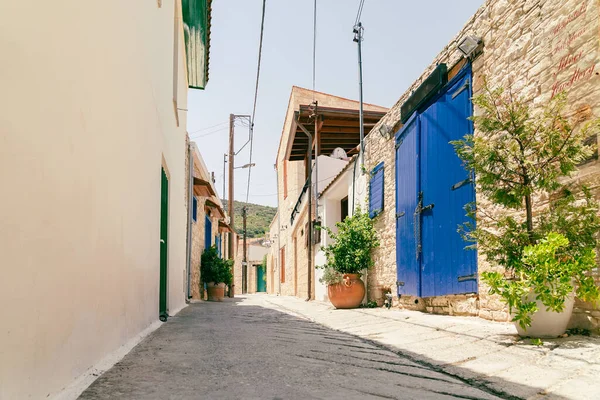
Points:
(245, 166)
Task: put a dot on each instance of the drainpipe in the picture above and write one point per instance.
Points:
(278, 255)
(189, 231)
(310, 227)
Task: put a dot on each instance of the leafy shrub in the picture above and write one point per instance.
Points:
(213, 268)
(350, 251)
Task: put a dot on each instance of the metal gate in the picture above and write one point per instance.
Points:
(432, 189)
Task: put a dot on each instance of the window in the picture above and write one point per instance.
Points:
(285, 179)
(195, 209)
(282, 262)
(376, 191)
(344, 208)
(207, 232)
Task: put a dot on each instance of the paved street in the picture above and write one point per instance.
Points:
(243, 350)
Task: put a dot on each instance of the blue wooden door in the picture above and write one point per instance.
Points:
(406, 200)
(446, 267)
(428, 242)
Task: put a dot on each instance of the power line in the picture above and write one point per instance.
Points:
(296, 190)
(210, 127)
(214, 131)
(260, 43)
(209, 133)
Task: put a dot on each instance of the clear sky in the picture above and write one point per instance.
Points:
(401, 39)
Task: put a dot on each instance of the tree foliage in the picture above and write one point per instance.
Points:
(517, 155)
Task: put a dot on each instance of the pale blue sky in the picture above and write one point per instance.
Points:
(401, 39)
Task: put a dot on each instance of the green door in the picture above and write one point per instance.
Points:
(261, 279)
(164, 225)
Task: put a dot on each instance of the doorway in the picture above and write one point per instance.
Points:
(164, 227)
(432, 190)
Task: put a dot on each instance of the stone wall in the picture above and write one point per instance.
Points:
(536, 48)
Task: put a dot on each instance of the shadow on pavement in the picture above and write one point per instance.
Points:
(236, 350)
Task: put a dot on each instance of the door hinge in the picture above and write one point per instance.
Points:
(472, 277)
(398, 143)
(400, 214)
(462, 88)
(399, 283)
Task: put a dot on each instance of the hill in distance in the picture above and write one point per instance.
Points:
(257, 221)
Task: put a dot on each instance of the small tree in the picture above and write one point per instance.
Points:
(517, 155)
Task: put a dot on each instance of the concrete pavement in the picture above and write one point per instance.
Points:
(257, 347)
(485, 354)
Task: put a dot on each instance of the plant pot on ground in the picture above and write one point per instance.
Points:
(542, 253)
(215, 272)
(347, 256)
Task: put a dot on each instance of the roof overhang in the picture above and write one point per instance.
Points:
(336, 127)
(203, 187)
(214, 206)
(224, 227)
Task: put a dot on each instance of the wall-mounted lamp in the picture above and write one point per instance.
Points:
(468, 45)
(385, 131)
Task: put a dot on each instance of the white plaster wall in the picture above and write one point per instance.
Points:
(86, 120)
(331, 211)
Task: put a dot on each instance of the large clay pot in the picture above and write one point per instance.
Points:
(216, 291)
(347, 294)
(548, 324)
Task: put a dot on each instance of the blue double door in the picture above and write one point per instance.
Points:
(432, 189)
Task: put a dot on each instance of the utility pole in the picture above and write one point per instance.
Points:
(230, 209)
(358, 38)
(224, 163)
(245, 258)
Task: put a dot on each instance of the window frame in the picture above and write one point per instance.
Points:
(379, 169)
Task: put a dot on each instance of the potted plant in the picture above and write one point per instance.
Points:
(544, 250)
(215, 272)
(347, 256)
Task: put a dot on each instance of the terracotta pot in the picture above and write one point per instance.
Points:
(547, 324)
(347, 294)
(216, 291)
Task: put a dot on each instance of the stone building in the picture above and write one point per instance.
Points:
(535, 48)
(208, 222)
(92, 164)
(337, 120)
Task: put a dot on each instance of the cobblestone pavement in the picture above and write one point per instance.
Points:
(239, 349)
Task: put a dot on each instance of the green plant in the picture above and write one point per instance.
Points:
(537, 342)
(330, 276)
(213, 268)
(370, 304)
(518, 154)
(350, 251)
(549, 269)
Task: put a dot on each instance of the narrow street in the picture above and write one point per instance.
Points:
(242, 349)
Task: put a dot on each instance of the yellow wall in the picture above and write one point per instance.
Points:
(86, 120)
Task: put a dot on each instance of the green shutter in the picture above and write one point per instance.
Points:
(196, 29)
